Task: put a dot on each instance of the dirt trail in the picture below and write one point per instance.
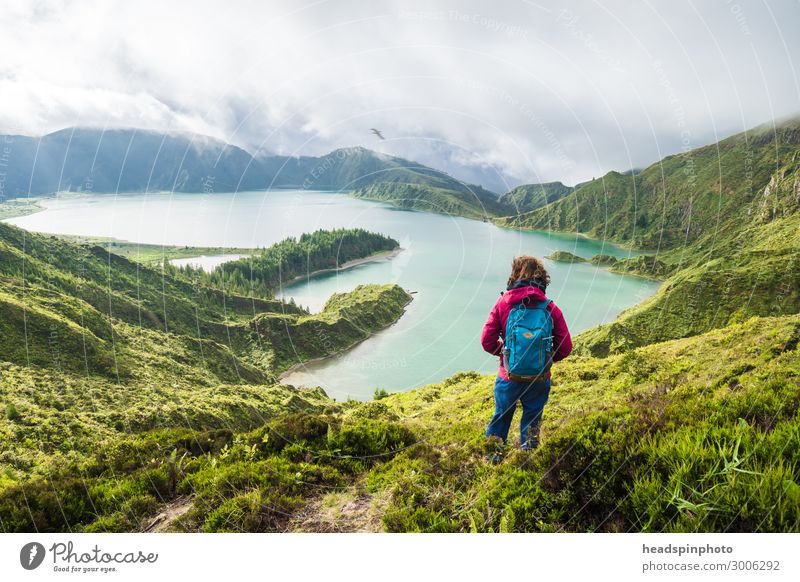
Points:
(349, 511)
(169, 514)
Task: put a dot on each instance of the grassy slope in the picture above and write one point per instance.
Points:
(471, 202)
(725, 221)
(754, 270)
(698, 434)
(679, 199)
(646, 440)
(94, 345)
(346, 319)
(530, 197)
(18, 207)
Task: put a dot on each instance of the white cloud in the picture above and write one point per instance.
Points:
(471, 87)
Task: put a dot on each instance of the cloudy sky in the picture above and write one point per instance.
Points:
(497, 92)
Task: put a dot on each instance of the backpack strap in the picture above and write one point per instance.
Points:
(541, 304)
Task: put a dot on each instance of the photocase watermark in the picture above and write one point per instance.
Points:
(361, 363)
(65, 558)
(689, 170)
(87, 186)
(207, 184)
(31, 555)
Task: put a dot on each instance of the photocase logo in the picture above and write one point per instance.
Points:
(31, 555)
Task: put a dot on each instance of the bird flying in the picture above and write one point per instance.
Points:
(377, 132)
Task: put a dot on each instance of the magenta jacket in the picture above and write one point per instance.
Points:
(495, 329)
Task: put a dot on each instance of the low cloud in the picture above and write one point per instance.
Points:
(500, 93)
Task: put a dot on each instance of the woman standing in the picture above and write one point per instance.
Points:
(529, 333)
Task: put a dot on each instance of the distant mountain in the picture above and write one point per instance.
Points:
(123, 160)
(530, 197)
(356, 167)
(678, 199)
(462, 200)
(132, 160)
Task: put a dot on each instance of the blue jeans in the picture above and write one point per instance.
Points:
(533, 396)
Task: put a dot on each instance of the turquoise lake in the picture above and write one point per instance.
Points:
(456, 267)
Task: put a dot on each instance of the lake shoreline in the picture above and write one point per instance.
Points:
(455, 263)
(283, 375)
(627, 245)
(19, 207)
(375, 257)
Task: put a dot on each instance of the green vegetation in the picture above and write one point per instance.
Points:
(468, 201)
(565, 257)
(698, 434)
(602, 259)
(135, 160)
(130, 392)
(18, 207)
(529, 197)
(278, 265)
(346, 319)
(94, 346)
(682, 198)
(154, 255)
(725, 220)
(356, 167)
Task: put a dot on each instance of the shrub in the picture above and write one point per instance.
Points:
(298, 428)
(370, 440)
(372, 410)
(114, 523)
(11, 412)
(45, 506)
(211, 441)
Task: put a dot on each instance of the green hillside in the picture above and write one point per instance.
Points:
(698, 434)
(565, 257)
(125, 160)
(722, 227)
(680, 199)
(357, 167)
(529, 197)
(93, 344)
(470, 202)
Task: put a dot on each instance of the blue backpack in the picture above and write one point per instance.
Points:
(528, 350)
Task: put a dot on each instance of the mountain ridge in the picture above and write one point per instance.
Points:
(721, 225)
(133, 160)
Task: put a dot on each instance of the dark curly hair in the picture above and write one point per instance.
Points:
(527, 267)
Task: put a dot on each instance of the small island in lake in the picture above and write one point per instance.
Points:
(565, 257)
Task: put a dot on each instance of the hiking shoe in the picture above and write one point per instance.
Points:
(495, 458)
(534, 432)
(495, 449)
